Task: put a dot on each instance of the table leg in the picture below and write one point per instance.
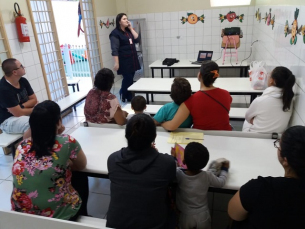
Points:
(147, 98)
(173, 72)
(152, 73)
(74, 107)
(241, 72)
(152, 97)
(252, 98)
(77, 87)
(73, 87)
(161, 72)
(170, 73)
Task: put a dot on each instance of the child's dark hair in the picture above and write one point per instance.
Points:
(138, 103)
(181, 90)
(284, 78)
(104, 79)
(140, 132)
(43, 123)
(292, 146)
(196, 156)
(205, 71)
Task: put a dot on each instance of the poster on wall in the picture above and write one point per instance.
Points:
(192, 18)
(231, 16)
(295, 29)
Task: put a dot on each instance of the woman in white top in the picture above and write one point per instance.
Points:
(271, 112)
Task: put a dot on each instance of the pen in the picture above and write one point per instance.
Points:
(194, 138)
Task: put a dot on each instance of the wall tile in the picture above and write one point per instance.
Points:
(15, 46)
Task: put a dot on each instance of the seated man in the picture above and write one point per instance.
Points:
(17, 99)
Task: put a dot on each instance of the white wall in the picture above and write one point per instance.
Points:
(275, 49)
(163, 29)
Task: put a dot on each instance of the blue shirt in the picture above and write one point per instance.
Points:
(167, 113)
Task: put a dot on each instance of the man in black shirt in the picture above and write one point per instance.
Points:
(17, 99)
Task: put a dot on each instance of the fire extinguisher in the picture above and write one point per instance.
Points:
(22, 27)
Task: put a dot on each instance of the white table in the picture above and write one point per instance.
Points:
(71, 100)
(249, 157)
(73, 82)
(235, 86)
(187, 64)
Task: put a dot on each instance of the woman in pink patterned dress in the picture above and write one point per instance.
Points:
(101, 106)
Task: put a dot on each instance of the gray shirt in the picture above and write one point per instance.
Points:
(192, 191)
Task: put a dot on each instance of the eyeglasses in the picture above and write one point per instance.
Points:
(21, 66)
(276, 144)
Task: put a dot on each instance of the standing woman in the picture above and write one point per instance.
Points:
(126, 63)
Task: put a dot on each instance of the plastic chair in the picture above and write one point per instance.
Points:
(228, 45)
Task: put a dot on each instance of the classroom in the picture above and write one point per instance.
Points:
(221, 80)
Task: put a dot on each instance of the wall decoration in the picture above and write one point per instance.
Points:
(258, 15)
(107, 24)
(231, 16)
(192, 18)
(269, 20)
(294, 29)
(303, 33)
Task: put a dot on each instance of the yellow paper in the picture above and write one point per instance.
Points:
(185, 137)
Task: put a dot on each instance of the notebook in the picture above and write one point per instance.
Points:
(202, 56)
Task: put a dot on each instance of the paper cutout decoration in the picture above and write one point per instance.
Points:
(269, 20)
(258, 15)
(107, 24)
(294, 29)
(303, 33)
(231, 16)
(192, 18)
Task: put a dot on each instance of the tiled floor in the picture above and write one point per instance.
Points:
(99, 197)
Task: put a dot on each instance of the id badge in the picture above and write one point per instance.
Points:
(130, 41)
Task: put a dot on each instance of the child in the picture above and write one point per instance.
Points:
(180, 91)
(138, 104)
(193, 185)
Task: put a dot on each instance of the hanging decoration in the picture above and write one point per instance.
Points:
(258, 15)
(268, 19)
(294, 29)
(79, 21)
(107, 24)
(231, 16)
(192, 18)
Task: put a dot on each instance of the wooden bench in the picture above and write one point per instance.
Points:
(235, 113)
(13, 220)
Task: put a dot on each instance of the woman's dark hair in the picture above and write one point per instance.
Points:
(104, 79)
(206, 74)
(293, 148)
(196, 156)
(138, 103)
(181, 90)
(117, 21)
(140, 132)
(43, 124)
(284, 78)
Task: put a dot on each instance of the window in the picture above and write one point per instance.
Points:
(215, 3)
(49, 50)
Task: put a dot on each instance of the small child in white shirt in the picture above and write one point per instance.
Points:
(138, 105)
(193, 185)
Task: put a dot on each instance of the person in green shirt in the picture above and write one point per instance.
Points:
(180, 91)
(43, 169)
